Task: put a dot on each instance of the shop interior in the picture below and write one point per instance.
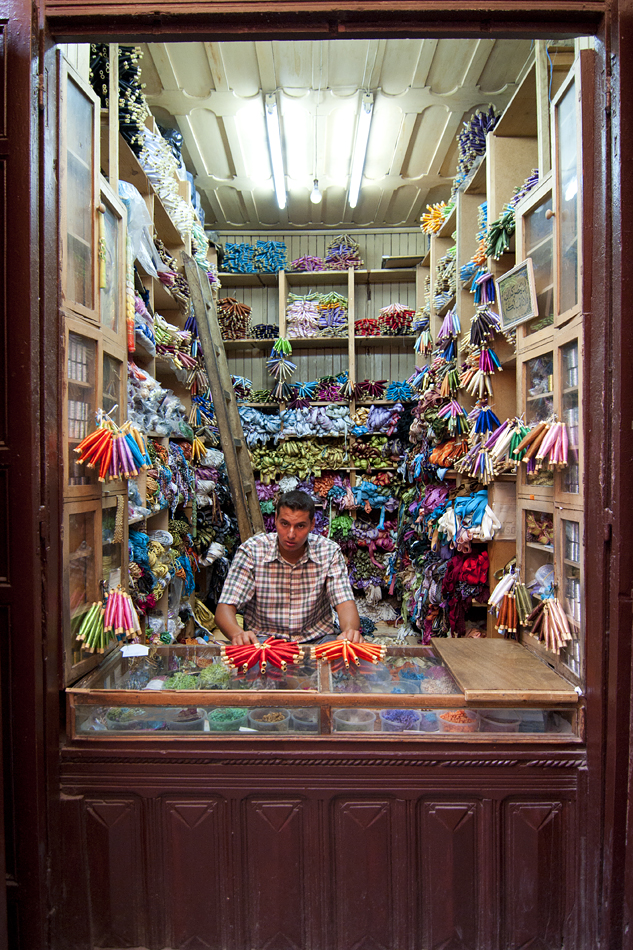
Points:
(353, 267)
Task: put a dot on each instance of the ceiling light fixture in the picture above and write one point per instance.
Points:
(315, 194)
(274, 145)
(360, 147)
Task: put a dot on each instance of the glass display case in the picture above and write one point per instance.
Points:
(457, 689)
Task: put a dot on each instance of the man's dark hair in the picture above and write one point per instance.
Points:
(296, 501)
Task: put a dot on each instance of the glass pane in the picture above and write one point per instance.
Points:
(567, 168)
(539, 245)
(112, 387)
(111, 546)
(79, 196)
(538, 559)
(571, 415)
(82, 587)
(109, 271)
(82, 355)
(572, 593)
(539, 384)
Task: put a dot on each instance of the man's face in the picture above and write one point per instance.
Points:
(293, 528)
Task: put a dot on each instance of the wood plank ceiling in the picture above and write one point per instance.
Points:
(423, 91)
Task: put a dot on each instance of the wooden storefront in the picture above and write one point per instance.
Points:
(335, 843)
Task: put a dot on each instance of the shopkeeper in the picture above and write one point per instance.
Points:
(287, 582)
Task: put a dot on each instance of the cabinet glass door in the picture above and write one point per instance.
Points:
(112, 536)
(568, 186)
(538, 243)
(570, 408)
(539, 405)
(81, 366)
(112, 287)
(113, 392)
(538, 550)
(571, 589)
(81, 526)
(79, 114)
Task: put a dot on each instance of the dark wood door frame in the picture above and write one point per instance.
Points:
(33, 352)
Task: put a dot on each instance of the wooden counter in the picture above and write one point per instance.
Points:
(502, 670)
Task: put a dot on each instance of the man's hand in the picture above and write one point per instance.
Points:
(244, 638)
(354, 636)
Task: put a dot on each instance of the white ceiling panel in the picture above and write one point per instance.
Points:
(423, 89)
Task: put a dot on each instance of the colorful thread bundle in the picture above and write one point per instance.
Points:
(434, 216)
(343, 253)
(119, 453)
(233, 318)
(395, 320)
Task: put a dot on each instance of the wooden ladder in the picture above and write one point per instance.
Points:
(237, 458)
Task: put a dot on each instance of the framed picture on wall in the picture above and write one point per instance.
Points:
(516, 294)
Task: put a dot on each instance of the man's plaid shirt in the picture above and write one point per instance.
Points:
(288, 600)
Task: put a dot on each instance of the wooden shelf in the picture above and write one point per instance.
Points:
(130, 169)
(447, 306)
(247, 280)
(375, 341)
(249, 344)
(548, 548)
(406, 260)
(165, 227)
(449, 225)
(317, 342)
(519, 117)
(475, 183)
(316, 278)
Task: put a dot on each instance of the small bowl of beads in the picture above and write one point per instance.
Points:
(400, 720)
(188, 719)
(269, 720)
(227, 718)
(458, 720)
(354, 720)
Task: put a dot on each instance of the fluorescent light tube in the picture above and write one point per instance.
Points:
(360, 147)
(274, 144)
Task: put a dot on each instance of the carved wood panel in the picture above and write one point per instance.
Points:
(362, 864)
(275, 897)
(534, 875)
(116, 871)
(196, 889)
(449, 874)
(314, 867)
